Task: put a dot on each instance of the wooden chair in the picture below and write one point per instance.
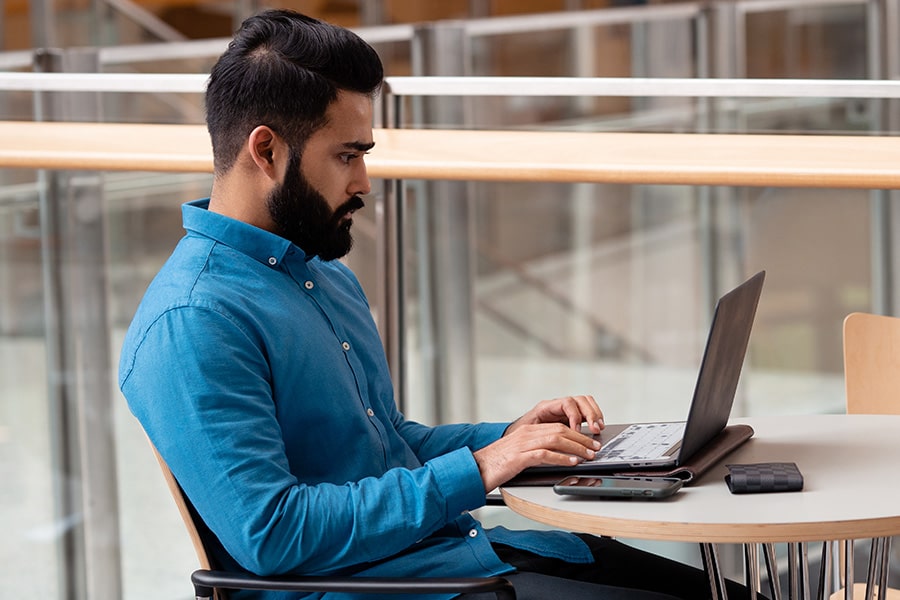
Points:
(211, 583)
(872, 381)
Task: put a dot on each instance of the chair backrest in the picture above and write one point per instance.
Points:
(187, 517)
(872, 363)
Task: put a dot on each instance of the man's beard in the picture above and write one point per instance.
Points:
(302, 215)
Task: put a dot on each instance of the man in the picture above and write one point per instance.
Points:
(254, 366)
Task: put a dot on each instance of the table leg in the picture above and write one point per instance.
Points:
(878, 570)
(751, 560)
(847, 568)
(872, 569)
(804, 570)
(825, 571)
(885, 567)
(793, 575)
(711, 566)
(798, 571)
(772, 570)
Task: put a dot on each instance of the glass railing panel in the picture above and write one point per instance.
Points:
(648, 104)
(574, 288)
(621, 49)
(628, 42)
(806, 40)
(102, 97)
(142, 216)
(28, 513)
(141, 213)
(600, 289)
(17, 106)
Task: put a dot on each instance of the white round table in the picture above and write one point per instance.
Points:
(851, 470)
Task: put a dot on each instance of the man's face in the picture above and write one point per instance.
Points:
(303, 215)
(314, 204)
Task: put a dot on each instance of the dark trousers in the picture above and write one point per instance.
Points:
(620, 572)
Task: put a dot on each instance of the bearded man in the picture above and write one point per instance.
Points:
(254, 366)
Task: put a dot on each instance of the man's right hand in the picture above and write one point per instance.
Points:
(531, 446)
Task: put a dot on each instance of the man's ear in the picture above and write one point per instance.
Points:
(268, 151)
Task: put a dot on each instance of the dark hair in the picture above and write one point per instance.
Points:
(283, 69)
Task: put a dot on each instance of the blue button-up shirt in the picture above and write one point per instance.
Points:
(259, 375)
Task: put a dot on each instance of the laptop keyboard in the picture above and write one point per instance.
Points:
(641, 441)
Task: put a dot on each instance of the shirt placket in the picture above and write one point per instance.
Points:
(307, 280)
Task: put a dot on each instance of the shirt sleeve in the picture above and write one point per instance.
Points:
(199, 384)
(430, 442)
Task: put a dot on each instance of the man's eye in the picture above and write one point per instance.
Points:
(349, 157)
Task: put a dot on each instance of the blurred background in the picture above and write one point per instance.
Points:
(512, 293)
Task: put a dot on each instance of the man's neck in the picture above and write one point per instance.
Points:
(236, 198)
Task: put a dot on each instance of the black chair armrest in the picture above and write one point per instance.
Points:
(204, 581)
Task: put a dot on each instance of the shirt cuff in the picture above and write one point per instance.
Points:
(495, 431)
(459, 481)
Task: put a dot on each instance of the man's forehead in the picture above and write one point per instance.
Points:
(351, 104)
(349, 120)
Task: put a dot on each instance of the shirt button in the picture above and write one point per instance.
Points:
(345, 345)
(273, 261)
(473, 533)
(309, 285)
(370, 412)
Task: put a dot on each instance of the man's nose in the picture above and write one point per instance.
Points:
(361, 184)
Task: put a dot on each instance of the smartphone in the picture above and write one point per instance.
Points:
(619, 486)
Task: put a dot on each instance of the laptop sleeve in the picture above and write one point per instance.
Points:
(723, 444)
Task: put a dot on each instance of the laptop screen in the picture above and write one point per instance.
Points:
(720, 369)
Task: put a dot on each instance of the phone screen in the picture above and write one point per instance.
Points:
(619, 486)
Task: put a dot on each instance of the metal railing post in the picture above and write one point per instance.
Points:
(43, 32)
(890, 39)
(444, 239)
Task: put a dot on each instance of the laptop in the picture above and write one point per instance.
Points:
(639, 446)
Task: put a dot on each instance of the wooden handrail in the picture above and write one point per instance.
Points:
(820, 161)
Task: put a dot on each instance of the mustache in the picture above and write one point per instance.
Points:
(354, 203)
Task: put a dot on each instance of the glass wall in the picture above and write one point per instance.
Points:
(567, 288)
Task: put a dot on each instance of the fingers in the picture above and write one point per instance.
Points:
(563, 444)
(583, 409)
(533, 445)
(571, 410)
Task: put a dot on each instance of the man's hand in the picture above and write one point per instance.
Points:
(570, 410)
(548, 434)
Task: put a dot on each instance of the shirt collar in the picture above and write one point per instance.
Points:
(248, 239)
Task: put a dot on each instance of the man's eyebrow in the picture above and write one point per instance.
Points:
(359, 146)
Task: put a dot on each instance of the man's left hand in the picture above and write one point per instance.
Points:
(571, 410)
